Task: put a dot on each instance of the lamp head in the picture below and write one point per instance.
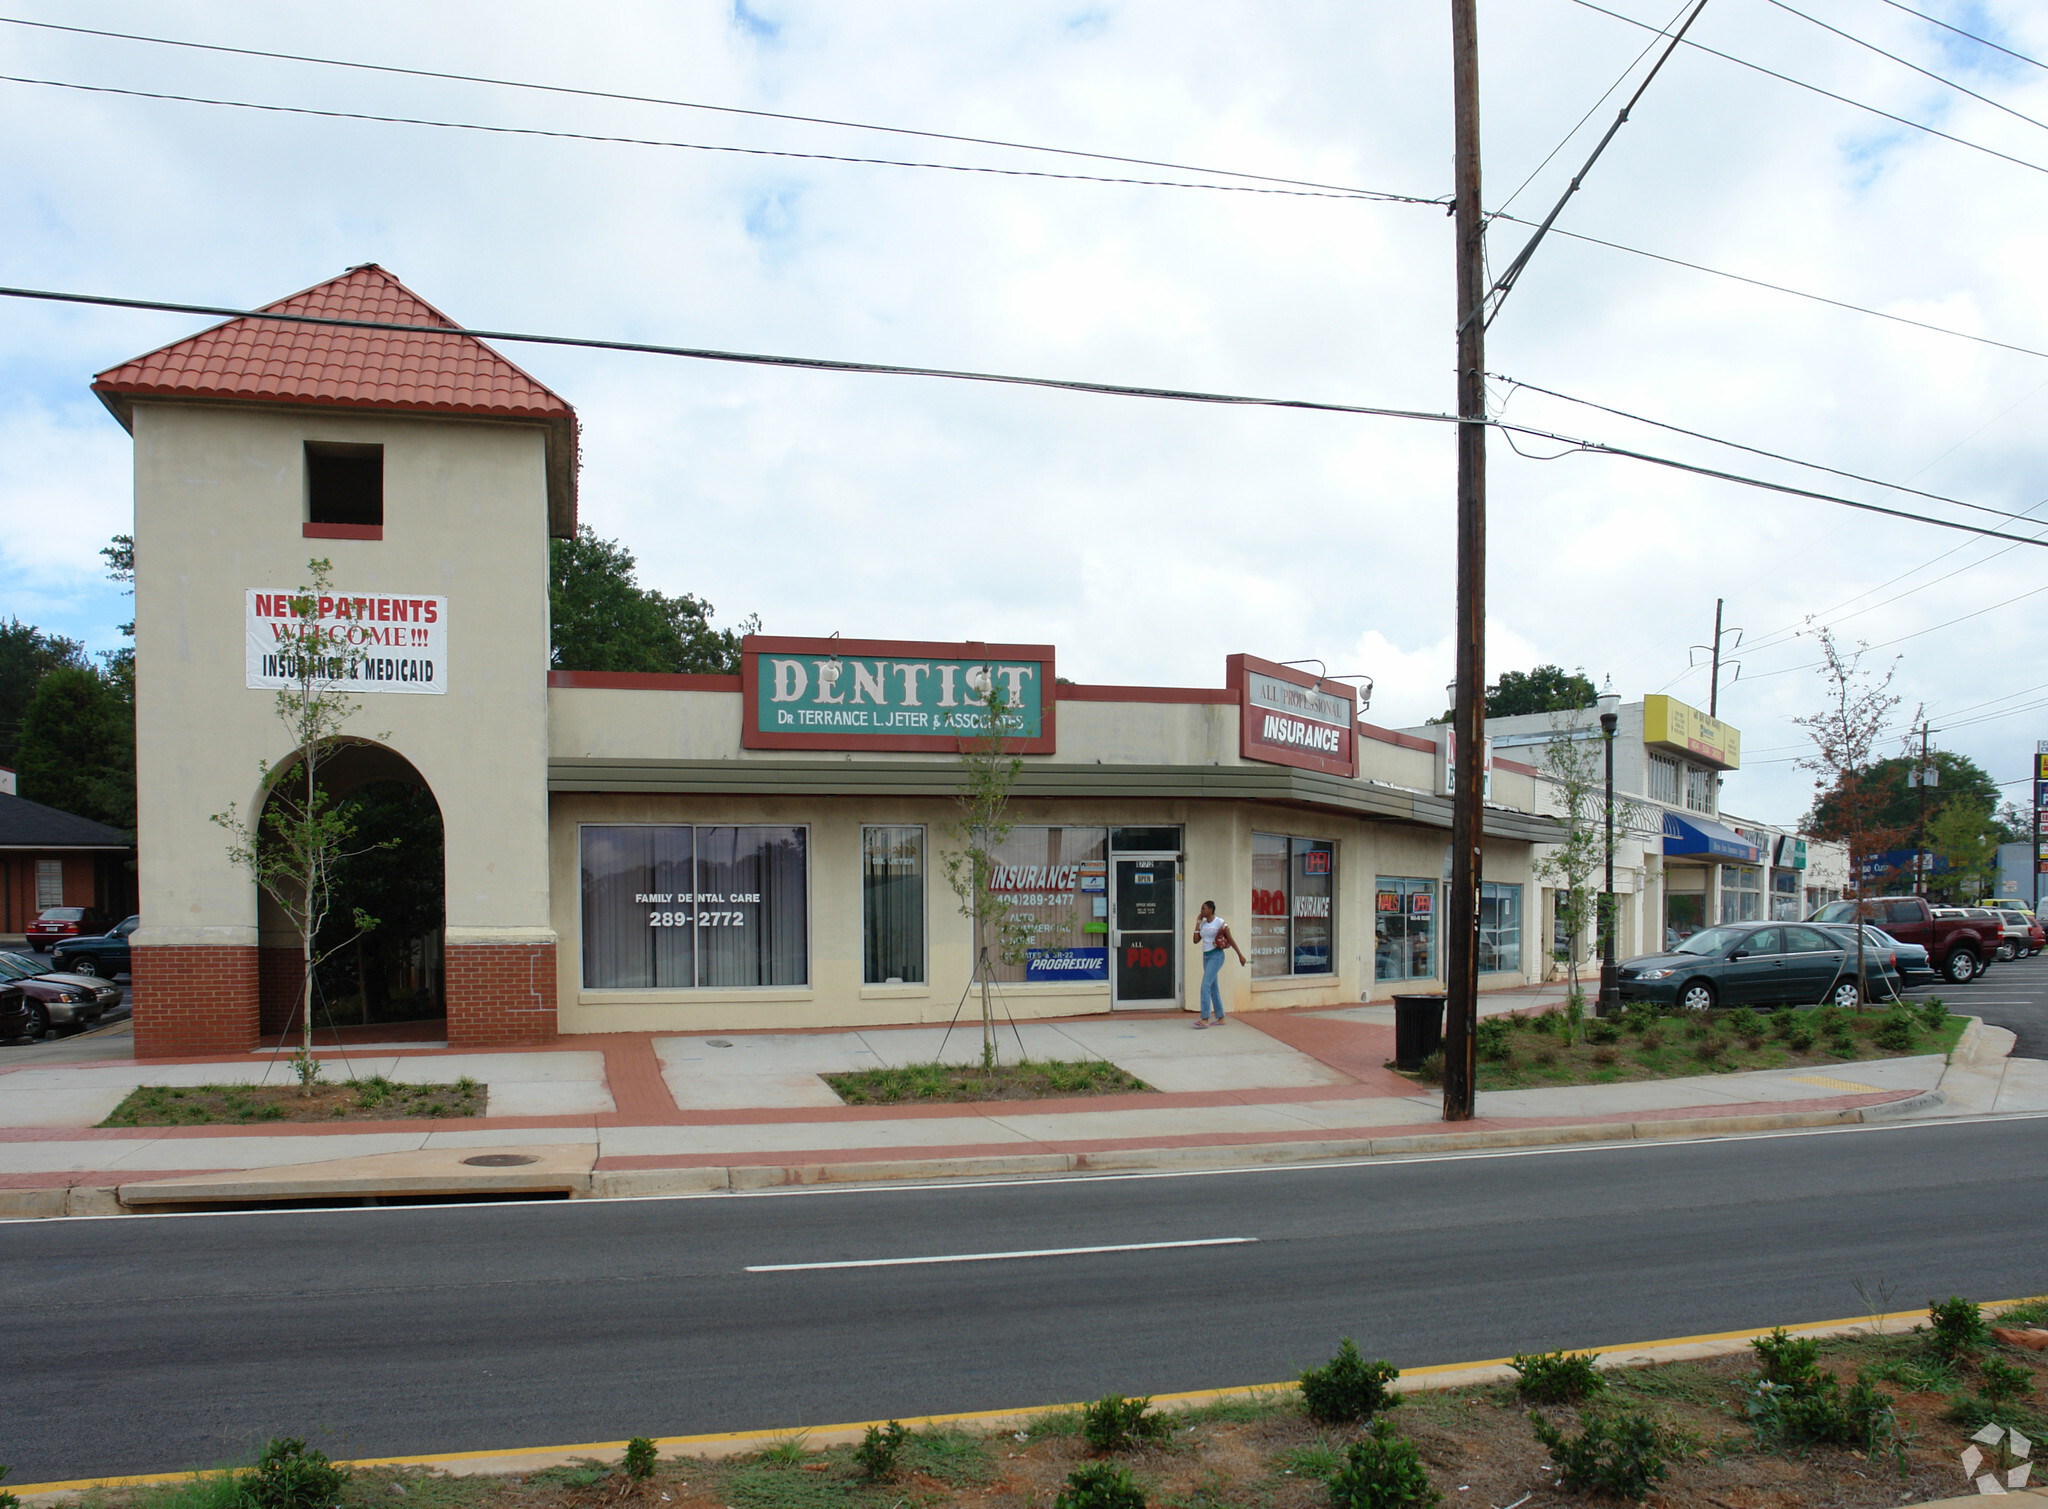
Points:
(1610, 706)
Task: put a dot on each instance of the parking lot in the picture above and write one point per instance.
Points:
(2013, 995)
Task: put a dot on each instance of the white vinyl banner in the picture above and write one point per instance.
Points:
(376, 642)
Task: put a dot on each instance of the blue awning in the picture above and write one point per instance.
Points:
(1698, 835)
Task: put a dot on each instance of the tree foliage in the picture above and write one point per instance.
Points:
(1547, 689)
(1966, 835)
(1575, 769)
(78, 747)
(1894, 801)
(27, 655)
(604, 620)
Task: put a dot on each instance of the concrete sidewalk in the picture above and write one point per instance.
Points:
(647, 1114)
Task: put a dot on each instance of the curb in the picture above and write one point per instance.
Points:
(738, 1443)
(644, 1183)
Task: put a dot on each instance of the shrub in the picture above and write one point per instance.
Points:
(1100, 1485)
(1706, 1050)
(1431, 1070)
(1745, 1023)
(1934, 1012)
(1113, 1422)
(1638, 1016)
(1606, 1058)
(1653, 1039)
(1786, 1359)
(1698, 1025)
(1895, 1032)
(1384, 1471)
(1550, 1021)
(1347, 1387)
(1783, 1023)
(876, 1454)
(1599, 1031)
(2003, 1381)
(7, 1500)
(1558, 1377)
(1959, 1327)
(292, 1475)
(639, 1462)
(1493, 1039)
(1753, 1042)
(1842, 1045)
(1622, 1454)
(1799, 1040)
(1547, 1057)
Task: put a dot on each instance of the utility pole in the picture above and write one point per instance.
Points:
(1920, 819)
(1714, 686)
(1468, 712)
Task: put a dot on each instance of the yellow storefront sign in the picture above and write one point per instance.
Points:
(1669, 722)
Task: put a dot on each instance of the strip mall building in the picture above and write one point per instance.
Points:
(687, 853)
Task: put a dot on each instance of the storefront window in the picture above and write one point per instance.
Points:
(669, 908)
(1294, 906)
(1742, 893)
(1500, 927)
(1404, 929)
(1055, 882)
(1685, 913)
(892, 906)
(1699, 789)
(1785, 896)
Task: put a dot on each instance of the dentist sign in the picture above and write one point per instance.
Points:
(893, 695)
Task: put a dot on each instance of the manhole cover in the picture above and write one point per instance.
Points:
(717, 1042)
(500, 1160)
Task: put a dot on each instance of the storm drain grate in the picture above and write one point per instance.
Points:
(500, 1160)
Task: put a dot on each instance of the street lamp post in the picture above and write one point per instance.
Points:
(1610, 990)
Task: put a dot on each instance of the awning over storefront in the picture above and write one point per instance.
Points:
(1710, 840)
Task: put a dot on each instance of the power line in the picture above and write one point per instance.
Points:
(1737, 445)
(692, 146)
(1729, 57)
(1797, 293)
(1980, 41)
(1916, 634)
(1071, 385)
(1907, 63)
(1605, 94)
(676, 104)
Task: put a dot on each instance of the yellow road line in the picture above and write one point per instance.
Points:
(1197, 1396)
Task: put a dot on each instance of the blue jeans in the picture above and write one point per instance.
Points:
(1212, 993)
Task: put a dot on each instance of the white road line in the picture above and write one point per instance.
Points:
(996, 1257)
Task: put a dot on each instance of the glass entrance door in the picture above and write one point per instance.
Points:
(1144, 939)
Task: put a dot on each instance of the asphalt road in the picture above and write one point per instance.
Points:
(140, 1344)
(2013, 994)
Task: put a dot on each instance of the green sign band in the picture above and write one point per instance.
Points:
(846, 694)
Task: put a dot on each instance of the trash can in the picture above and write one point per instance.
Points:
(1418, 1029)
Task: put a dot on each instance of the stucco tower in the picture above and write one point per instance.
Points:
(431, 472)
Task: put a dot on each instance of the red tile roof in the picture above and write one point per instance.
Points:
(261, 361)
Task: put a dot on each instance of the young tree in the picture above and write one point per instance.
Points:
(1967, 836)
(1575, 768)
(299, 837)
(1852, 721)
(988, 771)
(604, 620)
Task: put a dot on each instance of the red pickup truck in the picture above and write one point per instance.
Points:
(1959, 946)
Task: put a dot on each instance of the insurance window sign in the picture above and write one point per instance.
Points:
(893, 695)
(370, 641)
(1290, 717)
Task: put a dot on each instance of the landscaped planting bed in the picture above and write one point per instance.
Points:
(1855, 1422)
(373, 1099)
(1030, 1080)
(1529, 1052)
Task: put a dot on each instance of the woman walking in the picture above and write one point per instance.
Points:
(1213, 933)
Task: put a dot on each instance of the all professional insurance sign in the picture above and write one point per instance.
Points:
(1289, 717)
(893, 695)
(379, 641)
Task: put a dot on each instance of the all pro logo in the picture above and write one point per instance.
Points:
(2009, 1452)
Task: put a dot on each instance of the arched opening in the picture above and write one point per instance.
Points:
(385, 979)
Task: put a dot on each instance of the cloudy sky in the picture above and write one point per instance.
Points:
(1145, 540)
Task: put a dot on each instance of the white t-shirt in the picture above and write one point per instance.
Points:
(1209, 930)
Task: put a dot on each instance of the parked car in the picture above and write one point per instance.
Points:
(1755, 964)
(13, 1012)
(71, 1002)
(57, 923)
(2018, 931)
(105, 955)
(1910, 959)
(1961, 946)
